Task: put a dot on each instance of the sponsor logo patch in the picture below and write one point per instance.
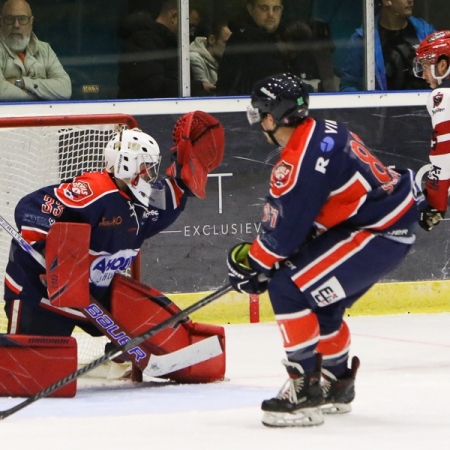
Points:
(114, 222)
(329, 292)
(281, 174)
(78, 191)
(38, 220)
(437, 99)
(104, 267)
(327, 144)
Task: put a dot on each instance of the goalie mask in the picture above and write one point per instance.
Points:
(133, 157)
(430, 51)
(284, 96)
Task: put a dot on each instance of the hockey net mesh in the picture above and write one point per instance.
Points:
(33, 156)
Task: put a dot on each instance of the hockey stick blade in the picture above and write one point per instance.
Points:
(118, 351)
(188, 356)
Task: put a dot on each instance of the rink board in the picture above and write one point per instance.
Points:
(190, 256)
(382, 299)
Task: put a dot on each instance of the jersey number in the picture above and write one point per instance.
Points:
(378, 169)
(270, 215)
(50, 206)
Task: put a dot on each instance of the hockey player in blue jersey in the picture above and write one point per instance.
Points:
(124, 205)
(335, 222)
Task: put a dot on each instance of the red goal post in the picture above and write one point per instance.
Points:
(44, 150)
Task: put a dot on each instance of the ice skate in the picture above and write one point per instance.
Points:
(297, 403)
(339, 392)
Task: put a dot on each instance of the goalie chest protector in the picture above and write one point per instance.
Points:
(29, 364)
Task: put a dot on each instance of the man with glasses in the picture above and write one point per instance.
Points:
(30, 69)
(251, 52)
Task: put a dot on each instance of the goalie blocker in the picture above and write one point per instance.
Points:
(135, 307)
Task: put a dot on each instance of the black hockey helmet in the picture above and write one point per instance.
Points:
(284, 96)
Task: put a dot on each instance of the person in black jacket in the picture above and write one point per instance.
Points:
(251, 52)
(148, 64)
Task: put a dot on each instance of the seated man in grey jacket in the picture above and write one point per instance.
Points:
(205, 54)
(29, 68)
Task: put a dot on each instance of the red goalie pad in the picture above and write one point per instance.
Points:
(199, 142)
(29, 364)
(140, 307)
(67, 264)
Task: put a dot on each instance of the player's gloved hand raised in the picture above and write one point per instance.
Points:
(242, 277)
(430, 217)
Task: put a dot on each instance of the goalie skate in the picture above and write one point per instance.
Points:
(297, 403)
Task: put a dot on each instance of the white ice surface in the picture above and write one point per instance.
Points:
(402, 400)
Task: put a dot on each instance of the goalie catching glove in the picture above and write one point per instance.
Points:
(430, 217)
(242, 277)
(199, 146)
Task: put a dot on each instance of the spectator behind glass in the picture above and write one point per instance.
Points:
(397, 35)
(251, 52)
(205, 54)
(148, 64)
(30, 69)
(308, 50)
(194, 23)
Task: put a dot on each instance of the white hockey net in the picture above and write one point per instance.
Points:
(39, 151)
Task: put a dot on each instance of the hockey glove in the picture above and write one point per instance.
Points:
(242, 277)
(430, 217)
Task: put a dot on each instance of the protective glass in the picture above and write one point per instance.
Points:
(11, 20)
(253, 115)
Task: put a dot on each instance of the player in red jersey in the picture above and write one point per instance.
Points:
(432, 63)
(124, 205)
(335, 222)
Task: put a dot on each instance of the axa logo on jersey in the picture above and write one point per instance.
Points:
(104, 267)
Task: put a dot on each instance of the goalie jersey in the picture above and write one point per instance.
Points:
(326, 177)
(119, 227)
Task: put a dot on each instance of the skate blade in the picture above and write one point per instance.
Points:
(336, 408)
(307, 417)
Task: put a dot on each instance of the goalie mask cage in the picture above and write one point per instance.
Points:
(39, 151)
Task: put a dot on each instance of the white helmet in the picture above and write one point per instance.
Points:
(133, 156)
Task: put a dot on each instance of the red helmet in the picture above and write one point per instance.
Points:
(433, 46)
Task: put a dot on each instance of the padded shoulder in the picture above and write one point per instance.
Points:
(85, 189)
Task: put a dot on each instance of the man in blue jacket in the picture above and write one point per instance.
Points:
(397, 34)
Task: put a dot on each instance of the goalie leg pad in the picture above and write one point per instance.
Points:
(140, 307)
(67, 264)
(29, 364)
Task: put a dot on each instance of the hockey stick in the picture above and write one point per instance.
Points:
(118, 351)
